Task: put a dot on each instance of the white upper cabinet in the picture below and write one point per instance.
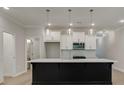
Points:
(66, 42)
(52, 37)
(78, 37)
(90, 42)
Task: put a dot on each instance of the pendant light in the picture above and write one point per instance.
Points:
(48, 23)
(69, 31)
(92, 24)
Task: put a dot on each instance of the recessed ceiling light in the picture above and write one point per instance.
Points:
(121, 21)
(6, 8)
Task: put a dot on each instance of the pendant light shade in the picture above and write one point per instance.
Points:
(92, 24)
(47, 22)
(69, 31)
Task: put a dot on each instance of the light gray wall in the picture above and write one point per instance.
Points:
(112, 47)
(1, 54)
(10, 26)
(100, 47)
(33, 32)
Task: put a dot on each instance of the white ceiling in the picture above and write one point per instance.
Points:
(32, 16)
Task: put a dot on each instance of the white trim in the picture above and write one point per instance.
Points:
(25, 54)
(19, 73)
(119, 69)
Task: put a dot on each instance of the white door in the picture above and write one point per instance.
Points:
(9, 56)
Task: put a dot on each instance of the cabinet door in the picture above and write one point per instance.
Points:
(78, 37)
(71, 73)
(66, 42)
(52, 37)
(93, 42)
(75, 37)
(69, 42)
(97, 72)
(47, 37)
(81, 37)
(90, 42)
(45, 73)
(55, 36)
(63, 42)
(87, 42)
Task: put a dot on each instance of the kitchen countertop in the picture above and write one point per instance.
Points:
(50, 60)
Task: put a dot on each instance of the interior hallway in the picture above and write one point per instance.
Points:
(25, 79)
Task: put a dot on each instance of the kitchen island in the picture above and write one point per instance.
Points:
(71, 72)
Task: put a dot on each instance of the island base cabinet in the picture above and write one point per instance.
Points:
(85, 73)
(45, 73)
(72, 73)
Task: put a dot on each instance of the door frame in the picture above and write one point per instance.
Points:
(30, 38)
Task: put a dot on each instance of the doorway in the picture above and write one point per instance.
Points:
(9, 54)
(32, 50)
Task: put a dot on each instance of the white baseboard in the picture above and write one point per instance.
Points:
(19, 73)
(119, 69)
(2, 81)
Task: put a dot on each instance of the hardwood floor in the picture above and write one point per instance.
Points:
(117, 77)
(25, 79)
